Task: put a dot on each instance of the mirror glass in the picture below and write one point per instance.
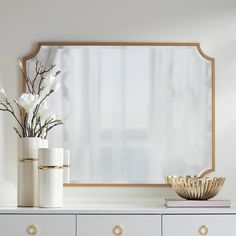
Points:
(133, 114)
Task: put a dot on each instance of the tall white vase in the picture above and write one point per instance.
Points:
(27, 181)
(50, 177)
(66, 165)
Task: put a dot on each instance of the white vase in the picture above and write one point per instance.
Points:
(66, 165)
(50, 177)
(27, 181)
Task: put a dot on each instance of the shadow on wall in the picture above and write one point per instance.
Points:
(11, 83)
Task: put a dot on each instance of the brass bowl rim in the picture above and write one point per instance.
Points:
(169, 177)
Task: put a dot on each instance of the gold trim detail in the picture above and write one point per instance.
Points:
(32, 230)
(27, 159)
(203, 230)
(118, 230)
(193, 44)
(50, 167)
(66, 166)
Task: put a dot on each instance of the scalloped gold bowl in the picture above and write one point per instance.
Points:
(196, 188)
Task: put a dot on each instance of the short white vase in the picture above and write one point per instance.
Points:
(27, 181)
(50, 177)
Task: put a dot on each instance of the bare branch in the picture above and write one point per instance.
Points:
(17, 131)
(38, 106)
(46, 124)
(20, 110)
(37, 70)
(39, 87)
(57, 73)
(12, 112)
(47, 70)
(27, 80)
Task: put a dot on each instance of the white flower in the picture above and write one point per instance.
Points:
(56, 86)
(43, 112)
(3, 96)
(28, 102)
(50, 83)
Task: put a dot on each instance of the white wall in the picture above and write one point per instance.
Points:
(211, 22)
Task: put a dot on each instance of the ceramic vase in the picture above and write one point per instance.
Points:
(66, 165)
(27, 181)
(50, 177)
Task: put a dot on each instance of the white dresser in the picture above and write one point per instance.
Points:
(117, 221)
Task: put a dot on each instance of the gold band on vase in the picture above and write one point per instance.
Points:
(66, 166)
(27, 159)
(50, 167)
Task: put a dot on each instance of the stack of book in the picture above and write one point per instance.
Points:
(175, 203)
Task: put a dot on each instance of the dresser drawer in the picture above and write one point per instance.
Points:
(119, 225)
(39, 225)
(202, 225)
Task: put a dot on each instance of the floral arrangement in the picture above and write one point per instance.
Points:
(33, 114)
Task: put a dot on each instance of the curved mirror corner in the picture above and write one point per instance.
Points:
(132, 114)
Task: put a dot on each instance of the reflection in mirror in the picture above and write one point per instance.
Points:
(133, 114)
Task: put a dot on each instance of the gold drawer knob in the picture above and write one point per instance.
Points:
(203, 230)
(32, 230)
(118, 230)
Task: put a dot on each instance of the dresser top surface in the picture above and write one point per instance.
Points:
(96, 209)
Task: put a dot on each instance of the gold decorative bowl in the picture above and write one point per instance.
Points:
(196, 188)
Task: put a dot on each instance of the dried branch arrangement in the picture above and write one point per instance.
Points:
(33, 115)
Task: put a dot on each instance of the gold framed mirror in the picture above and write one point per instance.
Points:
(142, 110)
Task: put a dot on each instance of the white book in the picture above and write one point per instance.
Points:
(175, 203)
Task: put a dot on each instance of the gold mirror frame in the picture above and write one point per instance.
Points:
(197, 45)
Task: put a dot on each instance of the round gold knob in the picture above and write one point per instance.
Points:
(32, 230)
(203, 230)
(118, 231)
